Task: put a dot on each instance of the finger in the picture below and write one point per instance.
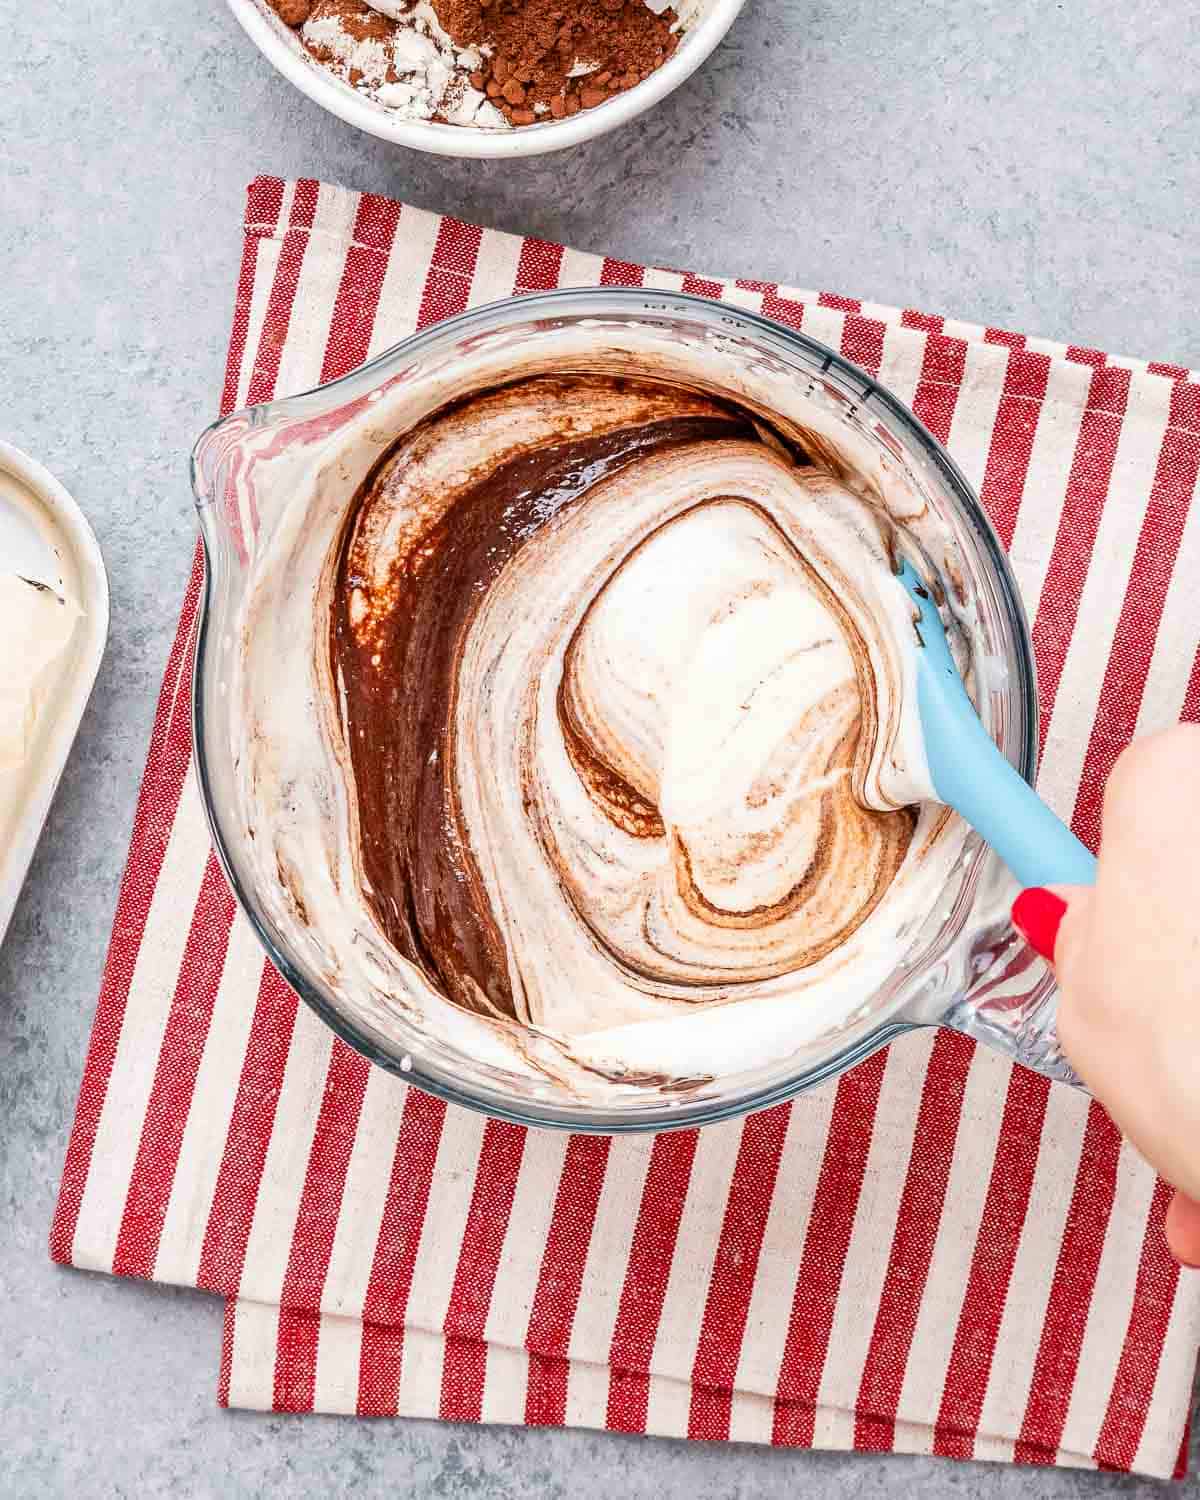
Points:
(1071, 940)
(1152, 795)
(1183, 1230)
(1070, 893)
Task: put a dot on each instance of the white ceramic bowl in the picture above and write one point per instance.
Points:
(44, 535)
(279, 44)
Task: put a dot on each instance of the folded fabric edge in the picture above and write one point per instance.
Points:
(290, 1339)
(299, 1363)
(266, 193)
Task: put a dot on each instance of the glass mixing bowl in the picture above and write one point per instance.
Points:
(966, 968)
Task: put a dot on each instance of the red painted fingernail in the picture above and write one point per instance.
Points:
(1036, 914)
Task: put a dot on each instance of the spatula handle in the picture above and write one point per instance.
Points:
(973, 777)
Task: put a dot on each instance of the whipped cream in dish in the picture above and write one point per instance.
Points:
(606, 769)
(36, 626)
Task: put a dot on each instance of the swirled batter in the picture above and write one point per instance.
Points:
(625, 700)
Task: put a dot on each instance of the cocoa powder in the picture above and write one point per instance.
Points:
(536, 45)
(293, 12)
(539, 59)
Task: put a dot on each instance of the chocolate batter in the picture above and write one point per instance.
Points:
(397, 640)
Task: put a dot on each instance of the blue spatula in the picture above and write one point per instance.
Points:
(972, 776)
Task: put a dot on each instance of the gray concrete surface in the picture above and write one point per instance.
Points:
(1020, 162)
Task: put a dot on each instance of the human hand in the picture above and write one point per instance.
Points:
(1127, 956)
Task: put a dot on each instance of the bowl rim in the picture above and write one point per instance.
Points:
(586, 1119)
(266, 31)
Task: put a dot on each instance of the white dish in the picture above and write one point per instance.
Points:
(279, 44)
(44, 536)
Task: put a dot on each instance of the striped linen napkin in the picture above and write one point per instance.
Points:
(935, 1253)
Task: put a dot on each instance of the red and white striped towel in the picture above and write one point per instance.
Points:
(936, 1253)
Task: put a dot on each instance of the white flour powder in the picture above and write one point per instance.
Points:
(429, 75)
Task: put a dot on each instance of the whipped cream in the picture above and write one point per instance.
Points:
(36, 626)
(600, 763)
